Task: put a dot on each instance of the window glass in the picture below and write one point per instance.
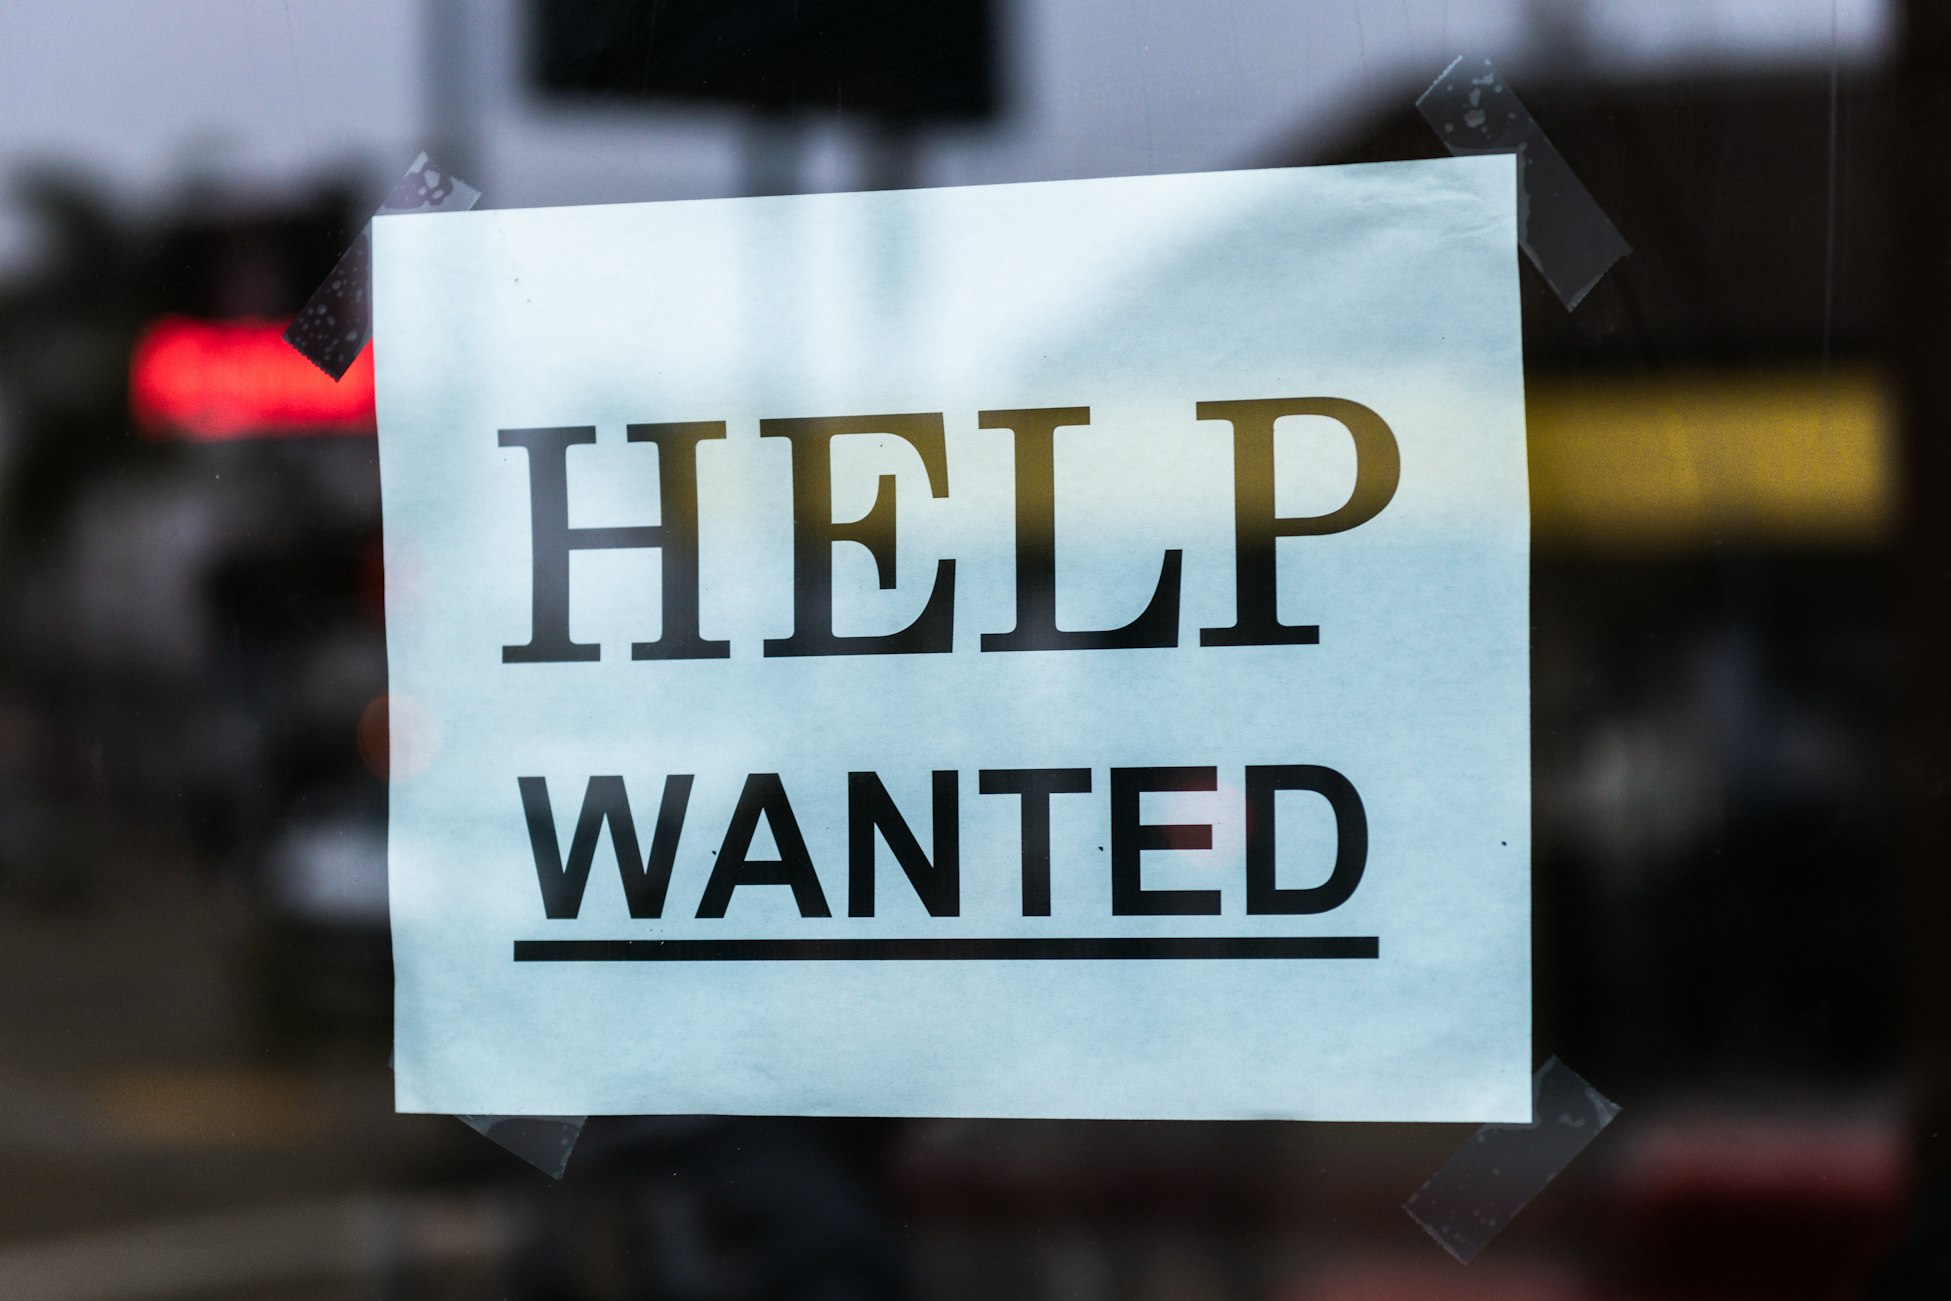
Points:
(1738, 582)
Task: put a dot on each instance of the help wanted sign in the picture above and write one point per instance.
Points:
(1037, 650)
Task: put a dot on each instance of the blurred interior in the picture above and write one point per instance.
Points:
(1739, 729)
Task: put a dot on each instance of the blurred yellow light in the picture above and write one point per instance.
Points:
(1796, 458)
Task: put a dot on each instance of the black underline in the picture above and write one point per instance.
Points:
(1031, 949)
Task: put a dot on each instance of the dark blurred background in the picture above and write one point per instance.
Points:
(1740, 576)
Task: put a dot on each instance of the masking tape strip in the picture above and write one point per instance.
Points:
(545, 1142)
(1495, 1175)
(1560, 226)
(337, 321)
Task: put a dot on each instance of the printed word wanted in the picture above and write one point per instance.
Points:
(935, 875)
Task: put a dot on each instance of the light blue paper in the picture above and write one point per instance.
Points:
(1394, 286)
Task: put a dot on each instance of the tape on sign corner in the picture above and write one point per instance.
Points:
(1495, 1175)
(545, 1142)
(1560, 226)
(336, 322)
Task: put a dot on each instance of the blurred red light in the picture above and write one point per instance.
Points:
(207, 381)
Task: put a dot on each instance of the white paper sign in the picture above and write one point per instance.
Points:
(1040, 650)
